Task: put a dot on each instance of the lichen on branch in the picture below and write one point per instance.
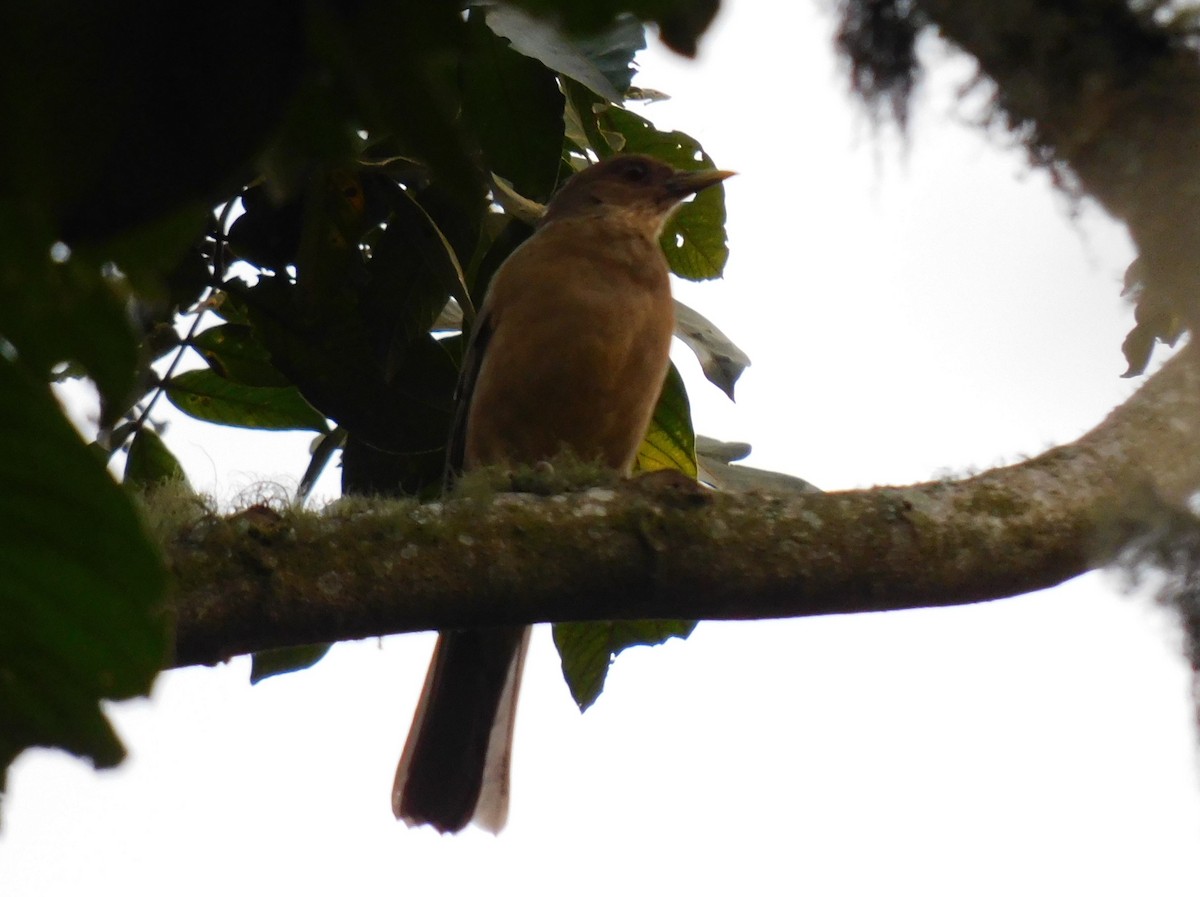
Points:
(265, 578)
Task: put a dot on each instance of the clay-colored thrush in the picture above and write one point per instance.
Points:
(569, 351)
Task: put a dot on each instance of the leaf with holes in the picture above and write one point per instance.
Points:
(694, 240)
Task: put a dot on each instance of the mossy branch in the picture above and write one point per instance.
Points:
(261, 579)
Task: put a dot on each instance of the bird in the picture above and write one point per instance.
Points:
(569, 352)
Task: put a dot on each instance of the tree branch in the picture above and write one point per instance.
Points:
(1113, 95)
(259, 579)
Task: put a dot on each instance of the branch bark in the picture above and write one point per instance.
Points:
(262, 580)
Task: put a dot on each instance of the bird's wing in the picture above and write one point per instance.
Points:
(467, 375)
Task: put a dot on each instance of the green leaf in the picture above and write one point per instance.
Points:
(322, 453)
(400, 63)
(513, 105)
(331, 356)
(277, 661)
(314, 134)
(717, 469)
(600, 61)
(368, 471)
(583, 128)
(587, 650)
(613, 49)
(82, 611)
(56, 312)
(227, 306)
(458, 226)
(235, 352)
(720, 359)
(680, 22)
(95, 76)
(149, 253)
(267, 233)
(150, 462)
(512, 235)
(412, 273)
(670, 441)
(208, 396)
(694, 240)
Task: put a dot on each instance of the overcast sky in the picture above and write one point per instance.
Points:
(913, 311)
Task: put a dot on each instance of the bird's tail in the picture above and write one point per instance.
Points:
(455, 764)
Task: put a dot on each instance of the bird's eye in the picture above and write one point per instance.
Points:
(636, 172)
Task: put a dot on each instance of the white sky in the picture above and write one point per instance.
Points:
(911, 312)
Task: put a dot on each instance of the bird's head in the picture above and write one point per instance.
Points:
(639, 188)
